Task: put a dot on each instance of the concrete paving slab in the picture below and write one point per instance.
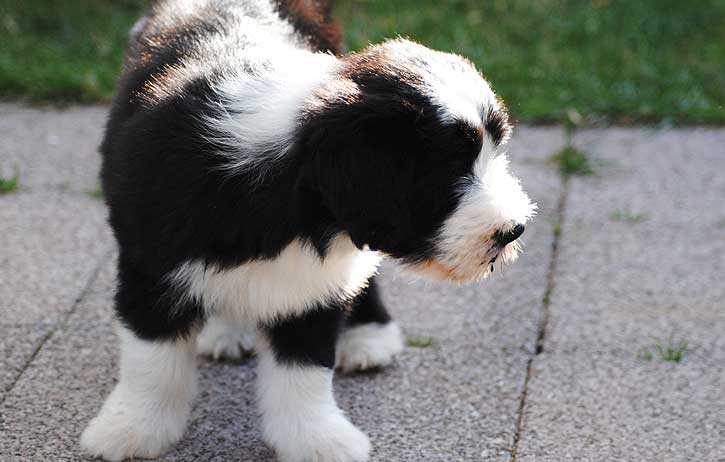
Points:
(50, 244)
(640, 267)
(42, 416)
(17, 345)
(52, 233)
(602, 406)
(51, 148)
(456, 400)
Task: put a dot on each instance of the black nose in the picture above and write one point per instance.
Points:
(503, 238)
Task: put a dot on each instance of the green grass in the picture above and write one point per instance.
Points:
(557, 229)
(670, 351)
(616, 60)
(572, 161)
(420, 342)
(9, 184)
(96, 193)
(611, 60)
(627, 216)
(63, 50)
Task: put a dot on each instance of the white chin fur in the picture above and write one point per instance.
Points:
(435, 269)
(368, 346)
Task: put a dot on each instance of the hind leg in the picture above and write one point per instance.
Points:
(225, 339)
(371, 338)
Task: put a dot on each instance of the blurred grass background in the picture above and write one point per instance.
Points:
(614, 61)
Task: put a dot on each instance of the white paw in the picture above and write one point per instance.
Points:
(223, 339)
(368, 346)
(331, 438)
(125, 430)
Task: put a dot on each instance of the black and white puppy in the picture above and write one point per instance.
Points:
(255, 179)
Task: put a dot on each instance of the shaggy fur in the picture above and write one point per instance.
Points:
(255, 178)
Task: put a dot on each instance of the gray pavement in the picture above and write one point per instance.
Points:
(638, 264)
(641, 266)
(53, 235)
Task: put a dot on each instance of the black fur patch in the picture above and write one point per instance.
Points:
(497, 125)
(308, 339)
(385, 165)
(368, 307)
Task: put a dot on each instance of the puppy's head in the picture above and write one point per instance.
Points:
(406, 153)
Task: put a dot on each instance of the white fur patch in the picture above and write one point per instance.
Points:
(292, 283)
(368, 346)
(271, 70)
(300, 419)
(448, 79)
(222, 338)
(260, 110)
(147, 411)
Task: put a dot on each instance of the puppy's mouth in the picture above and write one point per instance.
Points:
(492, 261)
(497, 251)
(471, 268)
(500, 256)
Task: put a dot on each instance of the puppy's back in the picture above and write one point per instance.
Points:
(160, 169)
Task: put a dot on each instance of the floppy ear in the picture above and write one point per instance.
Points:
(359, 159)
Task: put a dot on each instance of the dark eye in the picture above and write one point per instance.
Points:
(472, 137)
(497, 125)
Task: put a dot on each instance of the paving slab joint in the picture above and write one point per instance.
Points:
(545, 310)
(60, 325)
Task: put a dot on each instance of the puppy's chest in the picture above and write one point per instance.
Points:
(295, 281)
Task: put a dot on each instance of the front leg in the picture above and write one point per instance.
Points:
(301, 420)
(147, 411)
